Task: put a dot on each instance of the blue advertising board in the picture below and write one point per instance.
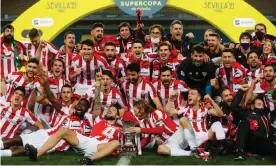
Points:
(148, 7)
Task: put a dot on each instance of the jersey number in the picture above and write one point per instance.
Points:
(109, 132)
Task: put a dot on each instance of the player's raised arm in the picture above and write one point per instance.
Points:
(43, 79)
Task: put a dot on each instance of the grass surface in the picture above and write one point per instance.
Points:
(149, 157)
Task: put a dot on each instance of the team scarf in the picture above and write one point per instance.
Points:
(17, 60)
(15, 51)
(236, 76)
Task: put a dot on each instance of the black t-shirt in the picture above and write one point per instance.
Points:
(213, 55)
(242, 58)
(196, 76)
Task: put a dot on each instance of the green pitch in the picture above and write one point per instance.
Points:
(148, 158)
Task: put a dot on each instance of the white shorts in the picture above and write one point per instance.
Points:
(37, 139)
(177, 140)
(87, 145)
(80, 89)
(27, 128)
(201, 137)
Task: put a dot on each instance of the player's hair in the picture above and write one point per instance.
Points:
(33, 60)
(138, 41)
(159, 27)
(176, 22)
(198, 48)
(117, 106)
(228, 50)
(96, 25)
(108, 73)
(124, 24)
(67, 86)
(196, 89)
(164, 44)
(260, 24)
(224, 89)
(231, 42)
(20, 88)
(209, 30)
(272, 45)
(251, 52)
(8, 26)
(165, 68)
(58, 59)
(68, 33)
(87, 103)
(143, 104)
(109, 44)
(268, 65)
(134, 67)
(245, 34)
(215, 35)
(33, 33)
(259, 97)
(87, 42)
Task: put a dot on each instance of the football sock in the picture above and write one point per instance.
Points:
(6, 153)
(179, 152)
(218, 130)
(1, 144)
(190, 137)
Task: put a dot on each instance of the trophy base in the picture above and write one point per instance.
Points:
(128, 150)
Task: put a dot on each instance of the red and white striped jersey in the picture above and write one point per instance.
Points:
(47, 111)
(99, 46)
(164, 93)
(237, 74)
(114, 97)
(196, 117)
(68, 58)
(144, 63)
(103, 131)
(56, 115)
(89, 69)
(269, 94)
(74, 123)
(133, 93)
(252, 74)
(123, 48)
(7, 62)
(156, 65)
(118, 67)
(16, 79)
(160, 118)
(56, 84)
(11, 120)
(48, 53)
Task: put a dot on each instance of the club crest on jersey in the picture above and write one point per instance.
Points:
(3, 114)
(65, 123)
(204, 74)
(113, 101)
(237, 73)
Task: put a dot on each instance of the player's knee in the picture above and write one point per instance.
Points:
(62, 131)
(162, 149)
(115, 143)
(184, 122)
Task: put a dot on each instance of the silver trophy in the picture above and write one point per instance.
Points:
(131, 141)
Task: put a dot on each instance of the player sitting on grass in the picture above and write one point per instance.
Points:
(103, 139)
(75, 122)
(170, 138)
